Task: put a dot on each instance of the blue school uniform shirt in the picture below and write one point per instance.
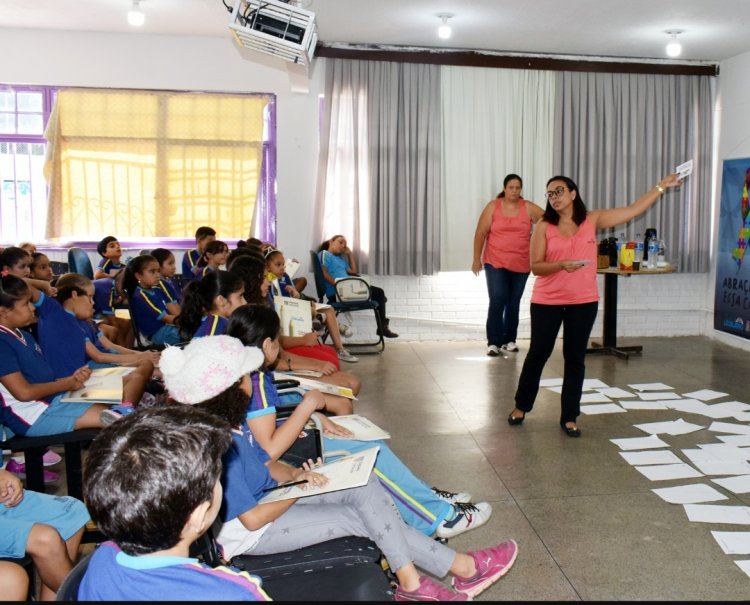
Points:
(148, 308)
(104, 296)
(211, 325)
(61, 338)
(188, 262)
(113, 575)
(171, 289)
(337, 266)
(20, 352)
(109, 266)
(201, 272)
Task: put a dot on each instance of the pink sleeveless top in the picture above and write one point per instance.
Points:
(507, 245)
(563, 288)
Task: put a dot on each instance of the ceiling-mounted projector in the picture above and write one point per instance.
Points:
(275, 28)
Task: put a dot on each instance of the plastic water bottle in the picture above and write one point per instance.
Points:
(661, 254)
(653, 252)
(638, 252)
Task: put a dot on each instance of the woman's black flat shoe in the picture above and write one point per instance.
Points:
(571, 432)
(517, 420)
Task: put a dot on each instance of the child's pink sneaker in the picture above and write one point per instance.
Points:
(18, 468)
(51, 458)
(429, 590)
(492, 564)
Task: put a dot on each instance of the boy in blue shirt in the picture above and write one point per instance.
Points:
(203, 235)
(111, 253)
(153, 506)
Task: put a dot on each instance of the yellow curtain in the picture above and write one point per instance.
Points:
(152, 163)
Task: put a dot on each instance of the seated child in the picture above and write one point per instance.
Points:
(154, 313)
(16, 261)
(275, 264)
(152, 506)
(31, 391)
(30, 247)
(47, 528)
(40, 267)
(111, 253)
(108, 293)
(253, 273)
(208, 303)
(203, 235)
(167, 270)
(213, 257)
(213, 373)
(430, 510)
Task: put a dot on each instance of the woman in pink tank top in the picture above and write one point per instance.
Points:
(563, 259)
(501, 247)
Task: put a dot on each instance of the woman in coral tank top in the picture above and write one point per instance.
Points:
(563, 259)
(501, 247)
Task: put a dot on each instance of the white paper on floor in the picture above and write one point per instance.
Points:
(730, 427)
(669, 427)
(594, 383)
(551, 382)
(689, 494)
(554, 389)
(690, 406)
(705, 394)
(742, 416)
(726, 451)
(662, 472)
(643, 405)
(650, 386)
(650, 457)
(594, 398)
(615, 392)
(736, 485)
(733, 542)
(601, 408)
(744, 566)
(658, 396)
(737, 440)
(639, 443)
(718, 513)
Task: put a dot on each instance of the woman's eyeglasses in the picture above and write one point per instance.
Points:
(551, 195)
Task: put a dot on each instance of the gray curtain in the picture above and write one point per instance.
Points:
(618, 134)
(390, 114)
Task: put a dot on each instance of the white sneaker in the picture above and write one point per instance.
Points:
(345, 355)
(493, 351)
(452, 497)
(511, 346)
(345, 330)
(467, 516)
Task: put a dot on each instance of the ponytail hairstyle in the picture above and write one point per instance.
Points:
(66, 292)
(579, 208)
(11, 256)
(12, 289)
(252, 324)
(161, 255)
(248, 250)
(129, 280)
(508, 179)
(252, 272)
(198, 298)
(213, 247)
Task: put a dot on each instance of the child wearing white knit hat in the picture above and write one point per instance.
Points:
(196, 375)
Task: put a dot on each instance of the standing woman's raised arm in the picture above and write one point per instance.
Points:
(603, 219)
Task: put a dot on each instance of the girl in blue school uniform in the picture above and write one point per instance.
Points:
(168, 269)
(31, 392)
(429, 510)
(153, 311)
(213, 257)
(209, 302)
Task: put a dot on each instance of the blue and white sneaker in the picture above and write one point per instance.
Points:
(114, 413)
(466, 516)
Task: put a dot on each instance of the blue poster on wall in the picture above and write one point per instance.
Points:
(732, 296)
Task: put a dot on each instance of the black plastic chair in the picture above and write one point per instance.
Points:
(79, 262)
(363, 348)
(68, 590)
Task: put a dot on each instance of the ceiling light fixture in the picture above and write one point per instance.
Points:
(445, 31)
(674, 48)
(136, 18)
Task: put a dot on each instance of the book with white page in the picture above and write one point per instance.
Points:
(308, 384)
(290, 266)
(103, 386)
(363, 428)
(343, 473)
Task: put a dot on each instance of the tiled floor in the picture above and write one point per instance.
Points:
(587, 523)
